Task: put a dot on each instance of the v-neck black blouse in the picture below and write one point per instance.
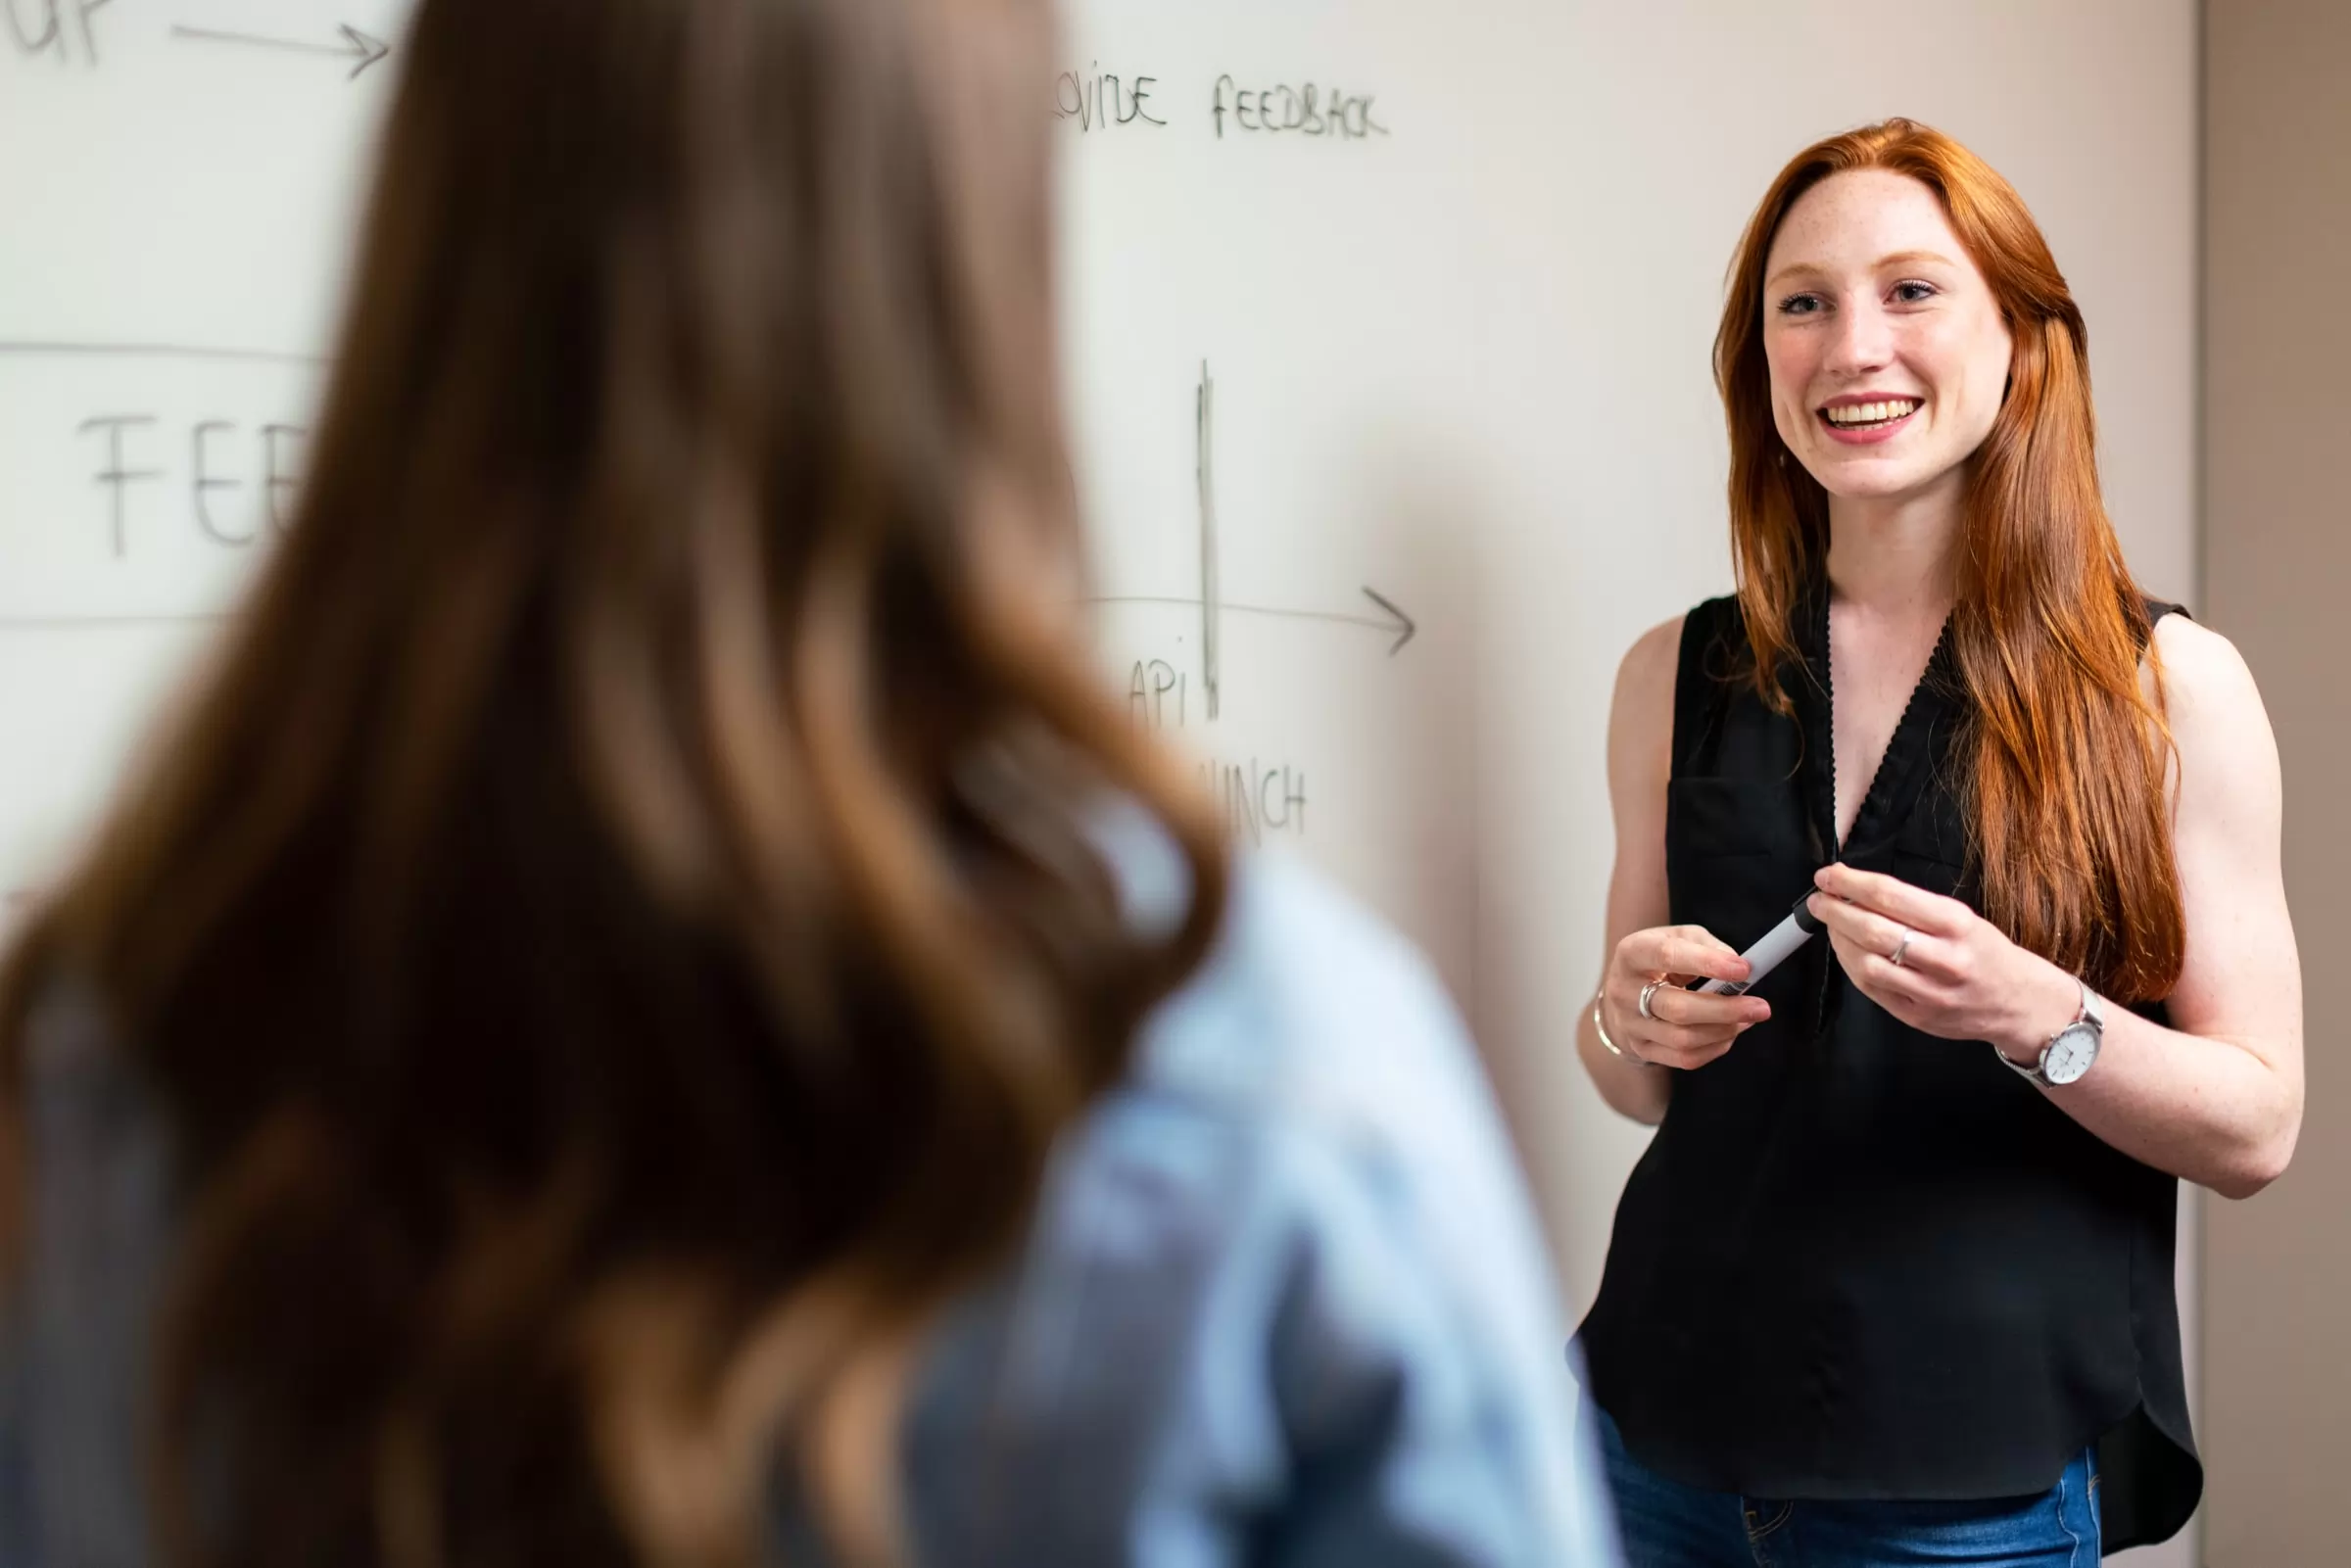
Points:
(1858, 1261)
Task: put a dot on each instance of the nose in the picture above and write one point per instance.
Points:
(1861, 341)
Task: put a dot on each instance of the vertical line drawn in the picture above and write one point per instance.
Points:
(1204, 408)
(1392, 621)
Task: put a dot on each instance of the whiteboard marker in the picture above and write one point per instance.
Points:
(1800, 927)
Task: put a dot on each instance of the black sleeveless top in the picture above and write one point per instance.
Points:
(1858, 1261)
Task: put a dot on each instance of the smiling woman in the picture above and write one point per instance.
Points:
(1896, 1271)
(1918, 310)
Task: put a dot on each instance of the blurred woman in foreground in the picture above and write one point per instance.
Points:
(651, 1009)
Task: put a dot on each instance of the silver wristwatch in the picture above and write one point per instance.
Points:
(2070, 1051)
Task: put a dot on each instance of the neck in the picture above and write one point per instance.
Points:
(1897, 556)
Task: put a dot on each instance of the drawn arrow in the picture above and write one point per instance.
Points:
(1391, 619)
(1211, 603)
(1401, 622)
(356, 46)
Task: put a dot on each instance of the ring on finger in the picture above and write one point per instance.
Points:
(1899, 948)
(1647, 994)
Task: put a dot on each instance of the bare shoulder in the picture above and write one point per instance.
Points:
(1641, 718)
(1645, 678)
(2209, 695)
(2227, 776)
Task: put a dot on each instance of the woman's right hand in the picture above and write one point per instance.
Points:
(1687, 1029)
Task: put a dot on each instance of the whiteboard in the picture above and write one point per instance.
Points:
(1439, 365)
(1273, 383)
(1271, 373)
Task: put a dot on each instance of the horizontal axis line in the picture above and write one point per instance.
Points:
(94, 623)
(1190, 601)
(30, 349)
(298, 45)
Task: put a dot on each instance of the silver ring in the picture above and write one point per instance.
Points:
(1899, 948)
(1647, 991)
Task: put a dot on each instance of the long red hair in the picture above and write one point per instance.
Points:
(2071, 842)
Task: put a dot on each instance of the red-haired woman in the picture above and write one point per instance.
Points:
(1894, 1280)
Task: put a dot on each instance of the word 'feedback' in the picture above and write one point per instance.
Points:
(1304, 110)
(212, 478)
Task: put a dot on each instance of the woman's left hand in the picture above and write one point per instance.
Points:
(1960, 976)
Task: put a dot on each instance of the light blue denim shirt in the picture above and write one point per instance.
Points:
(1283, 1302)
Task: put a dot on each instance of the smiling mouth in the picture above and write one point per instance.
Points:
(1879, 415)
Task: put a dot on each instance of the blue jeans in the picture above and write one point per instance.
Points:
(1667, 1525)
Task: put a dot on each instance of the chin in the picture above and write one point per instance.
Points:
(1872, 487)
(1852, 479)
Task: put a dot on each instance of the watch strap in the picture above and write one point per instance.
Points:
(2032, 1073)
(2091, 1012)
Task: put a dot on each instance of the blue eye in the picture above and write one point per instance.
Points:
(1913, 292)
(1801, 304)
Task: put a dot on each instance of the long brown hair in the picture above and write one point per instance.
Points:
(2072, 846)
(618, 929)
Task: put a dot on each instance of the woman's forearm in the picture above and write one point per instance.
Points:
(2206, 1110)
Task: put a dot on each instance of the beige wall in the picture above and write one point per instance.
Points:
(2277, 580)
(1658, 125)
(1610, 455)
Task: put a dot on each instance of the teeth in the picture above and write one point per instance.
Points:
(1872, 413)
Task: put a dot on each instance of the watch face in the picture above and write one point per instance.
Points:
(2071, 1054)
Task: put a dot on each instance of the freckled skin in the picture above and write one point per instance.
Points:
(1869, 290)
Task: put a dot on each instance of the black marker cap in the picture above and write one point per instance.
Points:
(1806, 921)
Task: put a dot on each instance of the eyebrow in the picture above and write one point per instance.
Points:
(1899, 258)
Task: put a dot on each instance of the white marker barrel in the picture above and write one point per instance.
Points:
(1800, 927)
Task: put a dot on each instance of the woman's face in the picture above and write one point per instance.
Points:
(1888, 357)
